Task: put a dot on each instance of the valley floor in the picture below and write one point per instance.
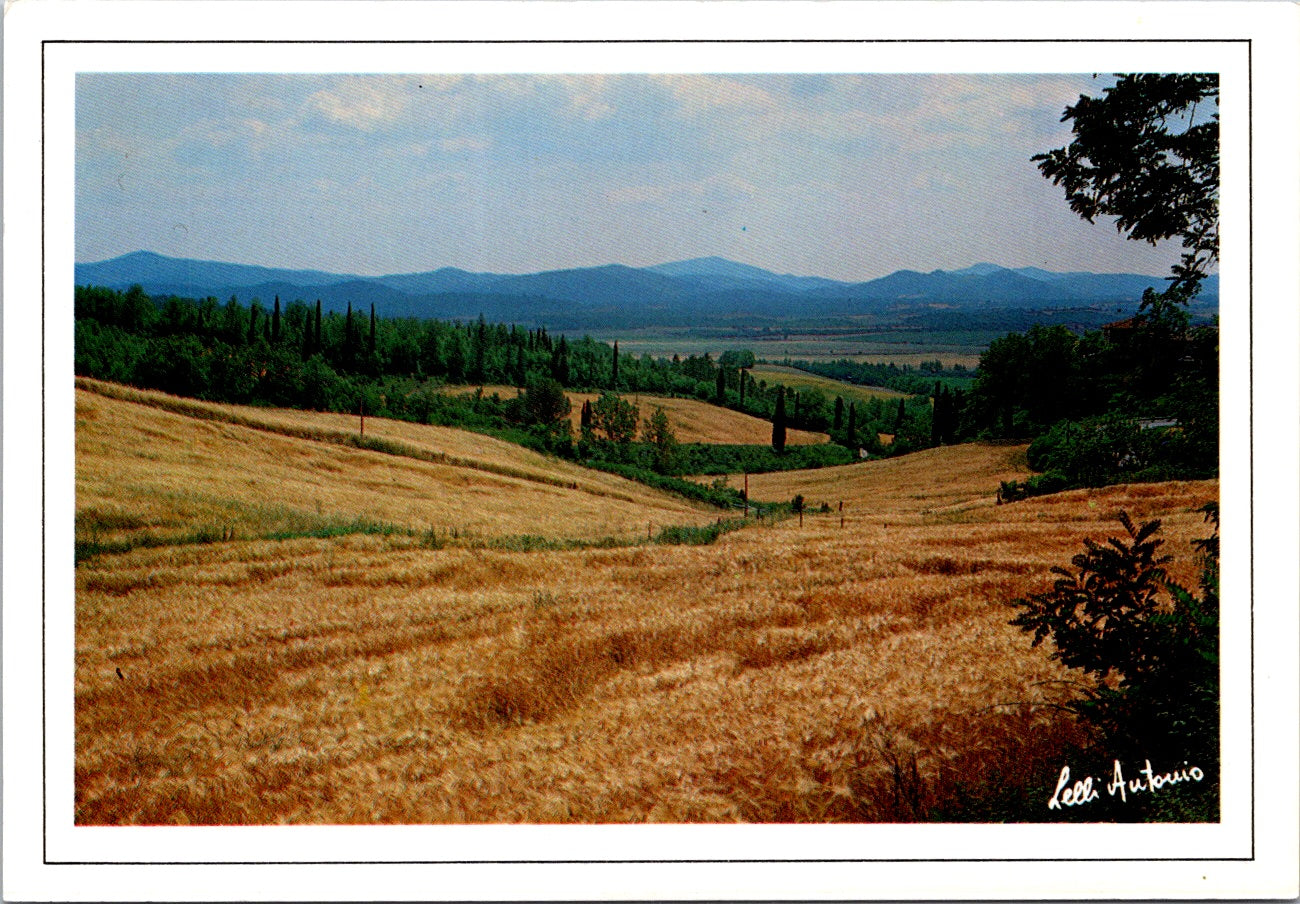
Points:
(787, 672)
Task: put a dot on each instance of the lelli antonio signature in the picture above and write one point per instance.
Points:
(1084, 791)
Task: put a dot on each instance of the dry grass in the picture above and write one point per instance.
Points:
(700, 422)
(145, 472)
(781, 674)
(693, 421)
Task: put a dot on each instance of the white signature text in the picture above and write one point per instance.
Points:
(1087, 789)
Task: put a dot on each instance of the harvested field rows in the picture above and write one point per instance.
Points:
(783, 673)
(142, 469)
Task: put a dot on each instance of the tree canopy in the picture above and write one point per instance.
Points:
(1147, 153)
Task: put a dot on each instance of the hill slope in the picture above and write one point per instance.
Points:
(149, 475)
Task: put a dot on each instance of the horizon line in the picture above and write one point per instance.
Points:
(705, 257)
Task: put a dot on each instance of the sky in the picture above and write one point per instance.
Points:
(847, 176)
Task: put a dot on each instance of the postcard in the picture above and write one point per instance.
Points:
(525, 450)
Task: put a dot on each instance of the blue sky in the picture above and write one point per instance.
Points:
(845, 176)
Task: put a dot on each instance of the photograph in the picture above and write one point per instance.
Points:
(625, 448)
(697, 460)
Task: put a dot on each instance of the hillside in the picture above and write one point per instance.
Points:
(204, 471)
(692, 420)
(700, 422)
(802, 379)
(828, 670)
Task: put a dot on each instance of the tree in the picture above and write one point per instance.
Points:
(851, 432)
(658, 432)
(613, 380)
(778, 421)
(720, 388)
(316, 343)
(560, 362)
(275, 322)
(1151, 645)
(1147, 153)
(614, 417)
(544, 402)
(349, 339)
(838, 420)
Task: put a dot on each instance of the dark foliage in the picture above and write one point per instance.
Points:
(1147, 153)
(1150, 644)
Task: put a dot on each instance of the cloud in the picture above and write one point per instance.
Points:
(363, 103)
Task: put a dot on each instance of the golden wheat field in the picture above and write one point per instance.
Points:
(250, 472)
(700, 422)
(834, 670)
(692, 421)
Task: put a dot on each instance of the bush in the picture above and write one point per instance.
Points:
(1038, 485)
(1114, 449)
(1151, 646)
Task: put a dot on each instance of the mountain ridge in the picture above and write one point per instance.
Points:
(677, 292)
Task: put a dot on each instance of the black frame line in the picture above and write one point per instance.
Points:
(1250, 313)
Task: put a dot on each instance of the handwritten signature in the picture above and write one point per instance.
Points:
(1083, 791)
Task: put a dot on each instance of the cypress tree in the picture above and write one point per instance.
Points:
(252, 322)
(560, 362)
(370, 344)
(480, 351)
(720, 392)
(839, 413)
(744, 377)
(851, 434)
(778, 421)
(613, 381)
(275, 322)
(898, 421)
(521, 369)
(317, 347)
(349, 339)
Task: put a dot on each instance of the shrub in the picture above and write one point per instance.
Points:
(1150, 645)
(1038, 485)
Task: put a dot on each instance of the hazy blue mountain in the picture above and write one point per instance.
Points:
(720, 273)
(980, 269)
(446, 279)
(151, 269)
(677, 293)
(595, 287)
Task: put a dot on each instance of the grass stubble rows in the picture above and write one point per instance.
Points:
(840, 670)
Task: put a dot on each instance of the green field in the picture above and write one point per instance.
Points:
(882, 346)
(801, 380)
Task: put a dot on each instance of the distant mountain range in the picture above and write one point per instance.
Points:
(683, 293)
